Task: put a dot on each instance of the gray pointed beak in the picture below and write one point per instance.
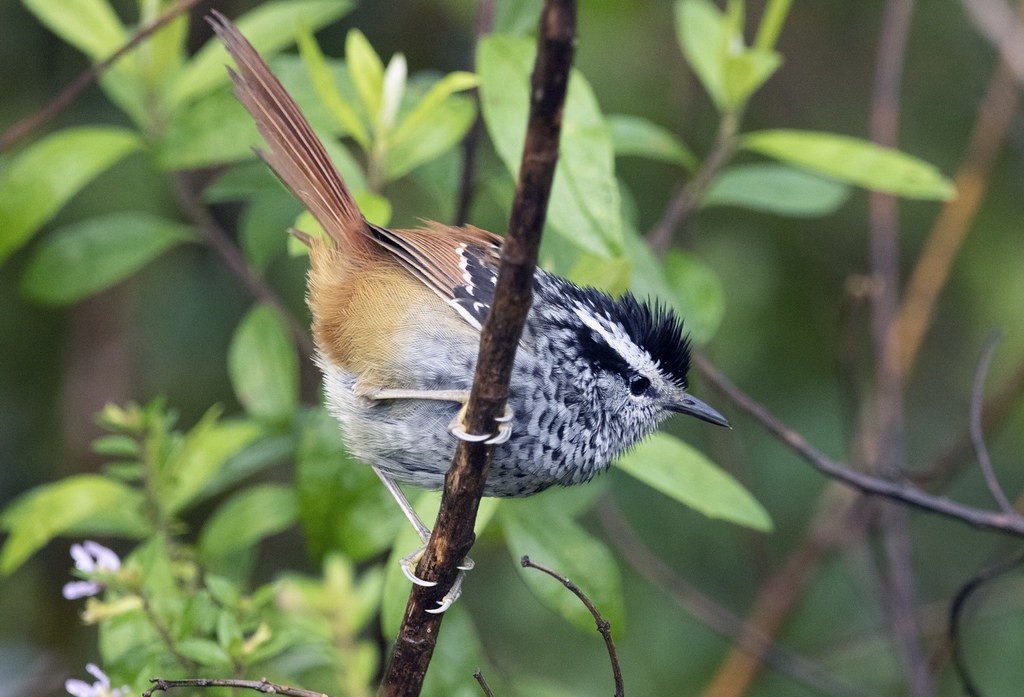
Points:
(694, 407)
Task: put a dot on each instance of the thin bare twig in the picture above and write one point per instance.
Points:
(885, 442)
(956, 616)
(748, 637)
(482, 682)
(70, 93)
(164, 634)
(977, 433)
(264, 686)
(603, 625)
(452, 536)
(995, 116)
(994, 414)
(996, 22)
(1011, 524)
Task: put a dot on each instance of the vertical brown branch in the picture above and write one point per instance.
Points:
(453, 532)
(885, 445)
(471, 143)
(995, 116)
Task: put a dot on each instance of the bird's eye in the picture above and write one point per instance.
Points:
(638, 384)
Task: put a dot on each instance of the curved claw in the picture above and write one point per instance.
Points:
(451, 596)
(408, 566)
(502, 435)
(458, 432)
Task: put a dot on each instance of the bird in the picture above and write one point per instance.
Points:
(396, 320)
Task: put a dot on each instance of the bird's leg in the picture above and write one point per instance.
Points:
(409, 562)
(457, 426)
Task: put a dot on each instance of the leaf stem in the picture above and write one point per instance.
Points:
(688, 199)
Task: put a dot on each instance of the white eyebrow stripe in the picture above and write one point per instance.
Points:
(617, 338)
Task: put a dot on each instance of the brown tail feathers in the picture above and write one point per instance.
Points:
(296, 154)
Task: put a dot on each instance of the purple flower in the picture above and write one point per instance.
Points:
(90, 558)
(100, 688)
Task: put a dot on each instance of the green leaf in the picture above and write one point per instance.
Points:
(772, 19)
(712, 43)
(246, 518)
(213, 129)
(374, 208)
(691, 288)
(610, 275)
(200, 456)
(366, 71)
(205, 652)
(683, 473)
(226, 592)
(702, 35)
(87, 257)
(552, 539)
(746, 71)
(427, 106)
(270, 27)
(327, 88)
(91, 26)
(342, 504)
(164, 51)
(117, 446)
(584, 204)
(636, 136)
(262, 226)
(517, 18)
(40, 180)
(697, 294)
(243, 181)
(776, 188)
(256, 457)
(448, 123)
(82, 504)
(853, 160)
(263, 367)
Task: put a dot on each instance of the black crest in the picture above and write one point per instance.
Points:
(655, 328)
(652, 326)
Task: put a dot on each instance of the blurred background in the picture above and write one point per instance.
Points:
(794, 335)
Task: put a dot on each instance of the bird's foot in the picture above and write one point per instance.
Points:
(408, 564)
(504, 432)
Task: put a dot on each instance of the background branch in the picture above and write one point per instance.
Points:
(884, 453)
(603, 625)
(956, 616)
(453, 531)
(217, 238)
(977, 432)
(988, 134)
(896, 490)
(749, 638)
(70, 93)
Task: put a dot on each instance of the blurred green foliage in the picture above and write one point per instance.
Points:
(254, 545)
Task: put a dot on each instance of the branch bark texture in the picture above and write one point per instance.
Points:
(453, 531)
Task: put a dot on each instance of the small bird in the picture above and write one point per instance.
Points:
(396, 322)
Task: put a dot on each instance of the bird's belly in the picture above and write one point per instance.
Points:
(410, 439)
